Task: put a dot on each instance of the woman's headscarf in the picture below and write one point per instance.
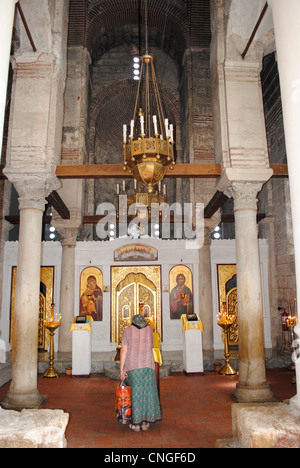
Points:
(139, 321)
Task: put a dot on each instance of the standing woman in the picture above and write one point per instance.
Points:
(137, 365)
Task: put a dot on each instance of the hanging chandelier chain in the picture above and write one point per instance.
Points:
(138, 91)
(147, 157)
(146, 26)
(147, 109)
(158, 99)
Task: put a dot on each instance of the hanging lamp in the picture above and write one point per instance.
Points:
(149, 145)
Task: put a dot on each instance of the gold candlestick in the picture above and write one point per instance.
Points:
(52, 325)
(291, 322)
(225, 321)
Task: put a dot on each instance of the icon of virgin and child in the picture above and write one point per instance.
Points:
(91, 300)
(181, 298)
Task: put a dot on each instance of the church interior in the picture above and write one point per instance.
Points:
(149, 161)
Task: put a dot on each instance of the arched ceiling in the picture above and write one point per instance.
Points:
(92, 22)
(102, 25)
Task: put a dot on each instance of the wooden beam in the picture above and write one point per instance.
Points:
(279, 170)
(111, 171)
(108, 171)
(16, 219)
(91, 171)
(194, 170)
(58, 204)
(214, 204)
(229, 218)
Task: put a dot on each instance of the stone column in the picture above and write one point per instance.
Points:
(286, 19)
(23, 391)
(252, 386)
(68, 229)
(67, 290)
(205, 290)
(7, 13)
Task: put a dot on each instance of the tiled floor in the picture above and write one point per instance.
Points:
(196, 409)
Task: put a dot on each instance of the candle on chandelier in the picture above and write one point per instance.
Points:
(124, 133)
(171, 133)
(142, 124)
(167, 127)
(131, 128)
(155, 125)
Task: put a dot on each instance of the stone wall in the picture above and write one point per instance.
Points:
(202, 123)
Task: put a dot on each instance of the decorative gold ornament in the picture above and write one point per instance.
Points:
(51, 326)
(291, 322)
(225, 321)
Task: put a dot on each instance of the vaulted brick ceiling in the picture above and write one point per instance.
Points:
(185, 20)
(101, 25)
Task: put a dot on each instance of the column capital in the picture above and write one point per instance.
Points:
(67, 228)
(33, 189)
(69, 236)
(245, 195)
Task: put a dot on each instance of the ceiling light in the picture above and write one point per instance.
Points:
(149, 149)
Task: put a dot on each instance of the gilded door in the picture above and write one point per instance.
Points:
(228, 295)
(45, 301)
(135, 290)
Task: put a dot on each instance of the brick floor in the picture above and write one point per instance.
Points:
(196, 410)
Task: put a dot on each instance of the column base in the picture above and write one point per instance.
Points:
(261, 394)
(19, 401)
(295, 402)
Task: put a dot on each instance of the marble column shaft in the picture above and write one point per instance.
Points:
(205, 288)
(23, 392)
(252, 384)
(67, 290)
(68, 229)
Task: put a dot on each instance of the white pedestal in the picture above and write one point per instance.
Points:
(192, 351)
(81, 352)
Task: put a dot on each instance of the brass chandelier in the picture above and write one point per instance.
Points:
(149, 147)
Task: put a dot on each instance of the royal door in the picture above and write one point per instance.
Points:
(135, 289)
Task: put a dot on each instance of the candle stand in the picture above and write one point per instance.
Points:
(225, 321)
(51, 325)
(291, 322)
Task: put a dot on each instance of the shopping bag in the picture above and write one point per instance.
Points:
(123, 402)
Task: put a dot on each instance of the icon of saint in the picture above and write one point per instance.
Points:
(181, 298)
(92, 299)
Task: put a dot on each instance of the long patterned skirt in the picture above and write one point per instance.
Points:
(145, 402)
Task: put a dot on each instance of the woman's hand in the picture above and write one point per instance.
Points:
(123, 353)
